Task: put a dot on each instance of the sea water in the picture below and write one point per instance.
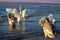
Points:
(30, 25)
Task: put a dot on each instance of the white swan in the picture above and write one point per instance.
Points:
(52, 19)
(47, 28)
(19, 15)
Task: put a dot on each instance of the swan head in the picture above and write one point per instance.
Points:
(50, 15)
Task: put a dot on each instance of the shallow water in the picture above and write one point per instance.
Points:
(27, 28)
(30, 27)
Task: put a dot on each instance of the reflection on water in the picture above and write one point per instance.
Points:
(19, 26)
(10, 28)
